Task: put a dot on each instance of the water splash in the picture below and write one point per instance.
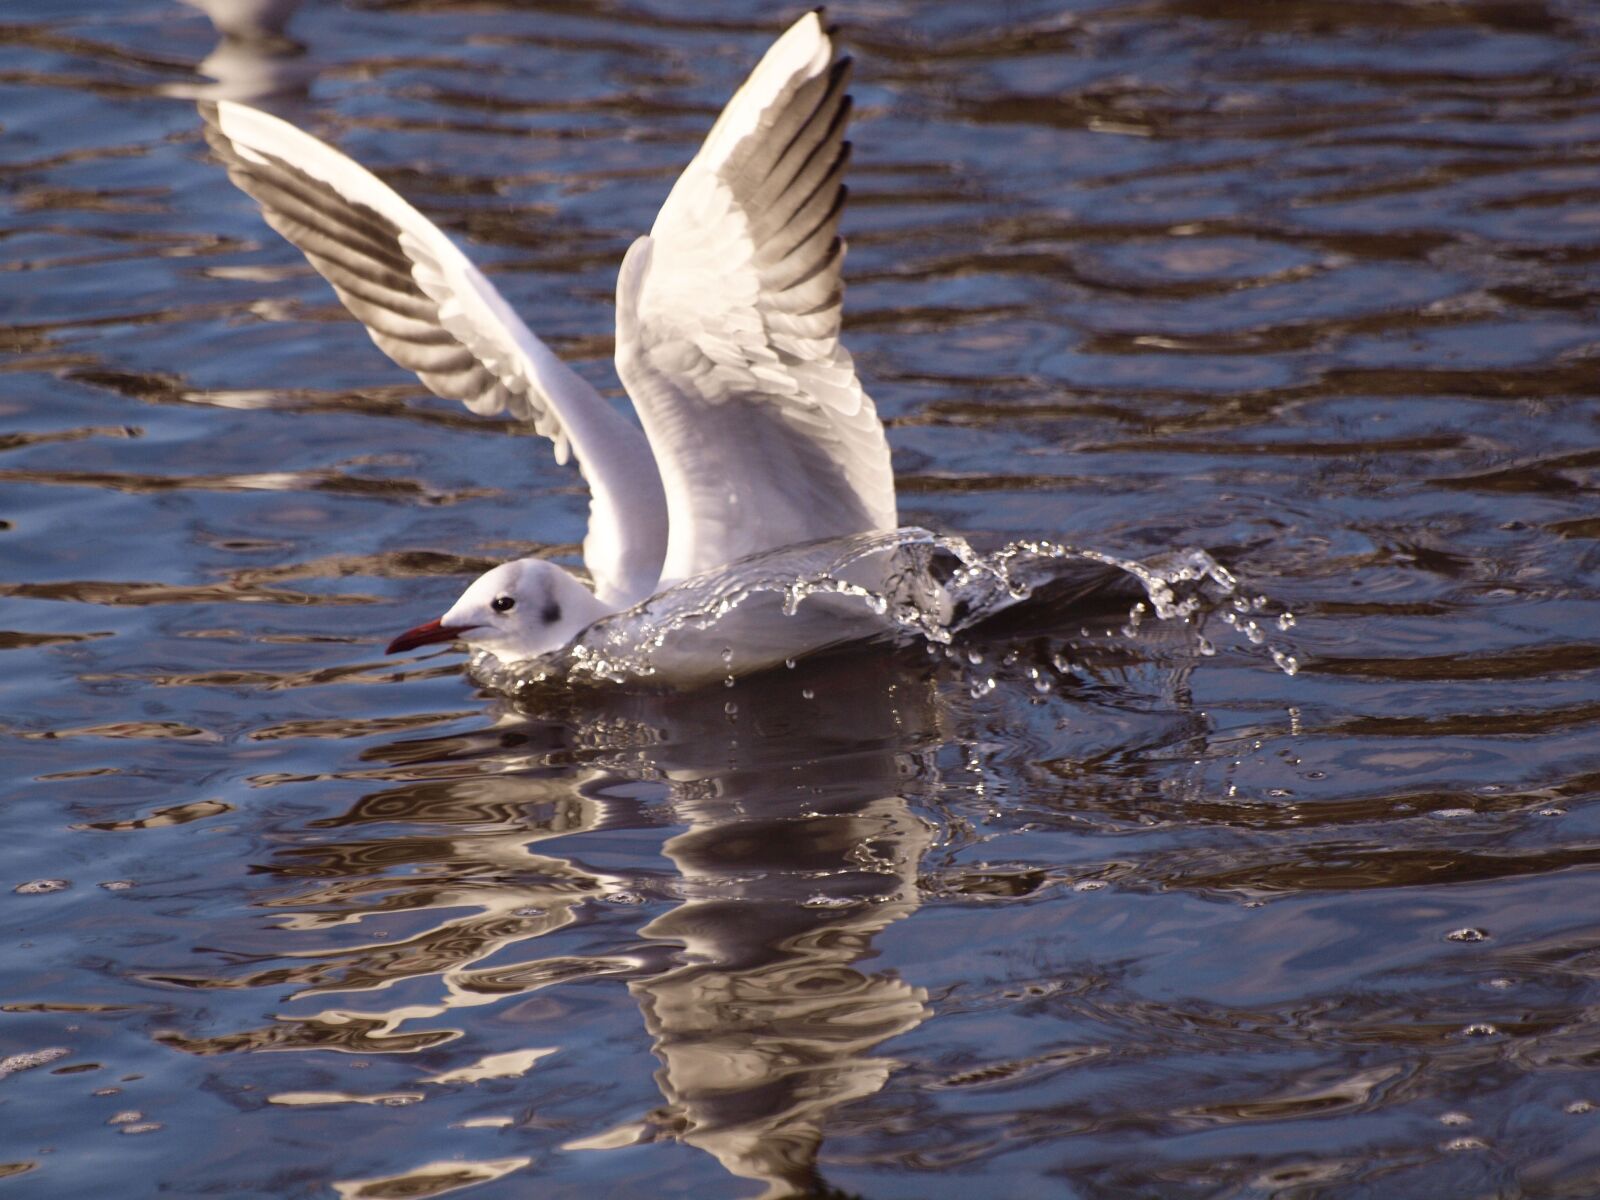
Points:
(902, 587)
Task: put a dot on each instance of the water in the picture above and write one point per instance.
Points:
(906, 586)
(1306, 286)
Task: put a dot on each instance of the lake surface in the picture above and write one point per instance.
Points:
(1309, 285)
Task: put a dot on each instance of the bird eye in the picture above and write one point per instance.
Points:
(503, 603)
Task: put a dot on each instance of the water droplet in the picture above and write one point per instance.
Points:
(1480, 1029)
(126, 1117)
(1041, 685)
(1578, 1107)
(117, 885)
(1089, 885)
(789, 662)
(808, 693)
(1467, 935)
(42, 887)
(1465, 1143)
(623, 898)
(27, 1061)
(1454, 1118)
(730, 708)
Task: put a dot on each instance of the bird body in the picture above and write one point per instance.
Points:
(756, 433)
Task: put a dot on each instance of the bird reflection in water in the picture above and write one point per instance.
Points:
(793, 862)
(802, 846)
(254, 59)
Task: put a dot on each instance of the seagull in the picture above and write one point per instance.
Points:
(756, 433)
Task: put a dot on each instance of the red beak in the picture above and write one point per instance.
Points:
(426, 635)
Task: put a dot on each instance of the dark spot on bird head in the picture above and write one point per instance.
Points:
(551, 613)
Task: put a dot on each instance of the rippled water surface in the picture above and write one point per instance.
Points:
(1077, 909)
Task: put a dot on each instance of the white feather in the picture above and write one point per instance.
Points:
(763, 438)
(627, 529)
(728, 315)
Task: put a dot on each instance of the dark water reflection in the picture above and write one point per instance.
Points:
(1308, 284)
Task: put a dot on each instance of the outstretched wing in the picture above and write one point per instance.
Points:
(433, 312)
(728, 327)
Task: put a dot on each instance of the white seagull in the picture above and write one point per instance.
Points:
(757, 434)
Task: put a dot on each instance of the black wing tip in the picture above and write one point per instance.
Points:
(211, 126)
(839, 72)
(820, 12)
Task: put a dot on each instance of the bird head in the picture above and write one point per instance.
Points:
(519, 610)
